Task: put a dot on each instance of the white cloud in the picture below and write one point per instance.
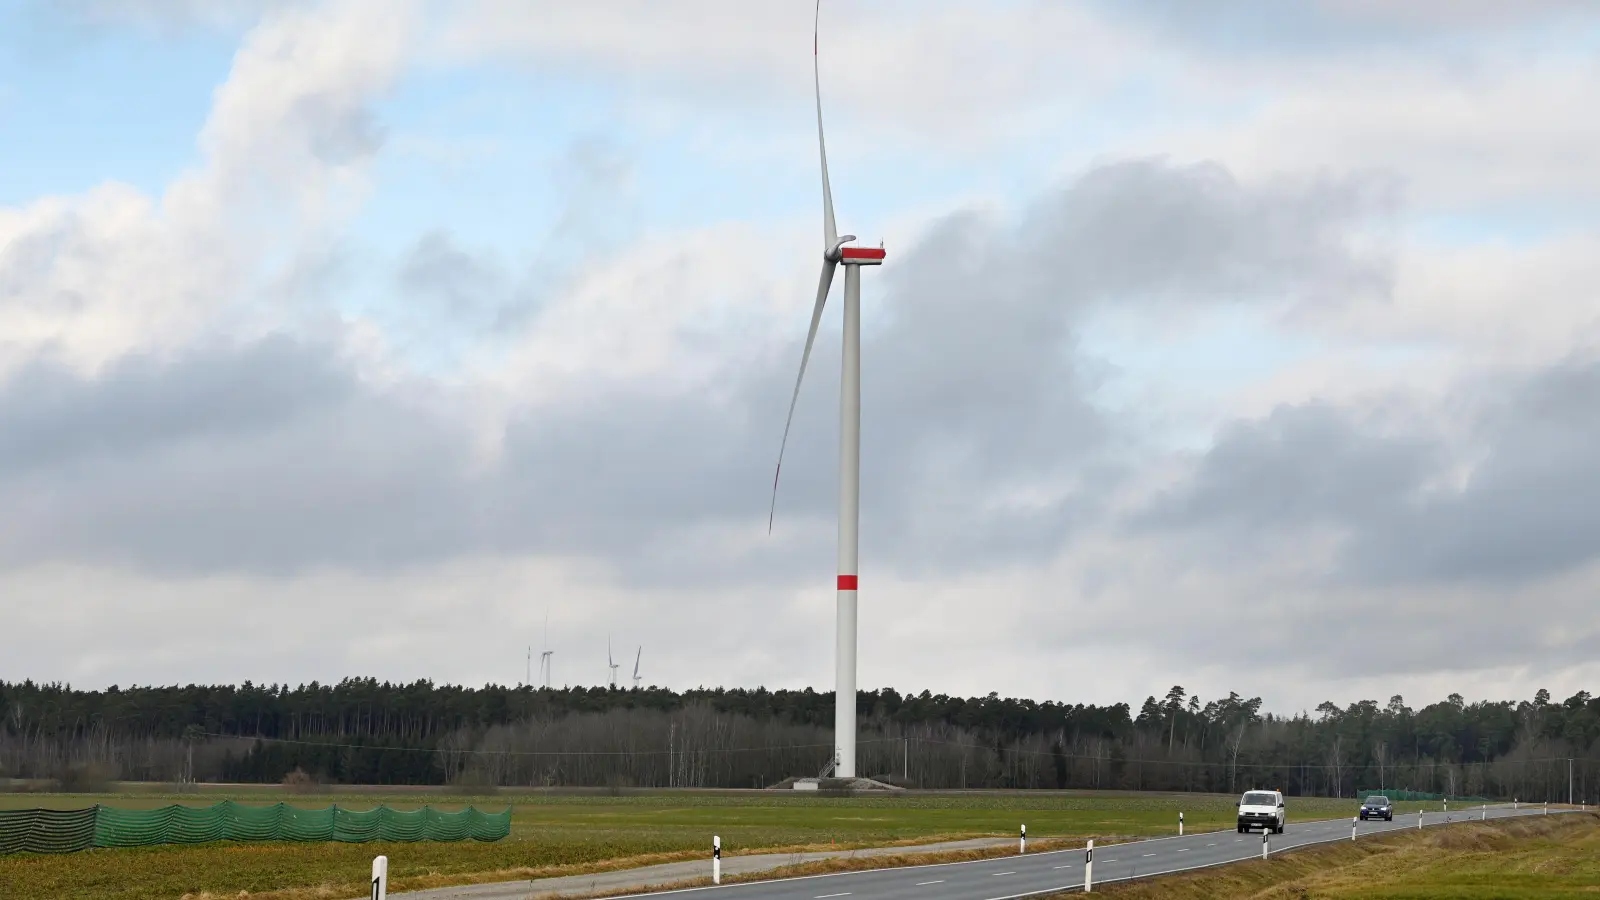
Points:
(91, 277)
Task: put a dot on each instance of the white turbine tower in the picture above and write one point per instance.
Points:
(544, 658)
(614, 666)
(636, 667)
(835, 253)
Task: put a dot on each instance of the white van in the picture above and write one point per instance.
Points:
(1261, 809)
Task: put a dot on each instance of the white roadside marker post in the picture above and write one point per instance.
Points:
(1484, 810)
(1447, 809)
(1265, 847)
(380, 877)
(1547, 807)
(1180, 824)
(716, 859)
(1022, 843)
(1088, 867)
(1353, 828)
(1419, 820)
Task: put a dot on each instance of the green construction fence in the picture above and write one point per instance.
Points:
(67, 831)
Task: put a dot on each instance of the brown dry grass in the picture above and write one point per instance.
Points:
(1520, 859)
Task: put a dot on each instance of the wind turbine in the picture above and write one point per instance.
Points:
(636, 667)
(834, 254)
(545, 657)
(614, 666)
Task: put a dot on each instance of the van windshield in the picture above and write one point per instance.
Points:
(1258, 798)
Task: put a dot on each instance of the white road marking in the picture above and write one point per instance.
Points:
(926, 883)
(1183, 849)
(826, 896)
(1149, 854)
(996, 874)
(1211, 845)
(1067, 866)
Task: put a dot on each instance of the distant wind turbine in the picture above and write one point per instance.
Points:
(636, 667)
(835, 253)
(614, 666)
(545, 657)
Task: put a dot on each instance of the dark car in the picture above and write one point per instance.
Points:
(1377, 807)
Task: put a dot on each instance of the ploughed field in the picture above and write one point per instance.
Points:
(560, 834)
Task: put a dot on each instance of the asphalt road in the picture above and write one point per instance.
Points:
(1038, 873)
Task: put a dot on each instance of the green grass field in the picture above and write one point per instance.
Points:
(567, 834)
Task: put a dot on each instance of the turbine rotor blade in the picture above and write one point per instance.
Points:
(823, 285)
(830, 234)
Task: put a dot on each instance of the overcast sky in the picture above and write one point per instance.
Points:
(1246, 345)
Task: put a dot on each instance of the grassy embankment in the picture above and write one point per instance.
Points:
(1536, 858)
(562, 834)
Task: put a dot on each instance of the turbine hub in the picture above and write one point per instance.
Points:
(833, 254)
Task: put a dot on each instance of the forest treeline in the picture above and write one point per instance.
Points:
(370, 732)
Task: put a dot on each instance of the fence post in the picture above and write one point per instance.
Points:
(1088, 867)
(716, 859)
(380, 877)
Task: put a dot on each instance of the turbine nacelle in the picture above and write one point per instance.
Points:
(840, 254)
(862, 256)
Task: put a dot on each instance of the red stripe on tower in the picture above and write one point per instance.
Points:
(847, 582)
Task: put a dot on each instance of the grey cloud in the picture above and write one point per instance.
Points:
(979, 445)
(1529, 508)
(592, 176)
(338, 134)
(452, 282)
(49, 417)
(1144, 231)
(267, 457)
(1310, 464)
